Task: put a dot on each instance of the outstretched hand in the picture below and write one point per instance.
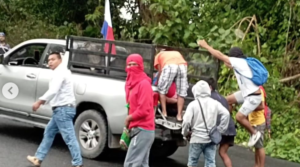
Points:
(202, 43)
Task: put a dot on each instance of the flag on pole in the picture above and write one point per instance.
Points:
(107, 30)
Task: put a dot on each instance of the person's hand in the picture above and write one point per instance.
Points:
(202, 43)
(36, 106)
(188, 137)
(127, 120)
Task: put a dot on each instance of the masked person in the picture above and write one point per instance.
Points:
(140, 121)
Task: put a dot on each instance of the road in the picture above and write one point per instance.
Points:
(17, 141)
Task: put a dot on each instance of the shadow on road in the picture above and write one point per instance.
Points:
(35, 135)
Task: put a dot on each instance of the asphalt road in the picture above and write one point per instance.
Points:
(17, 141)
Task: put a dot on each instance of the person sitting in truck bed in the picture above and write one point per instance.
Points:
(171, 66)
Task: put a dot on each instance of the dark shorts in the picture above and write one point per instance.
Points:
(260, 142)
(227, 140)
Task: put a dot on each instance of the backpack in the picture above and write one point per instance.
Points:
(267, 110)
(259, 72)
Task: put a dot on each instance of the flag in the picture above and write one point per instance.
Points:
(107, 30)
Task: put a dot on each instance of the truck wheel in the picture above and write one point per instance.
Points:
(163, 149)
(91, 132)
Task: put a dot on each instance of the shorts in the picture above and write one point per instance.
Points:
(250, 103)
(261, 128)
(227, 140)
(170, 73)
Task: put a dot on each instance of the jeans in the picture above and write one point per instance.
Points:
(209, 151)
(61, 121)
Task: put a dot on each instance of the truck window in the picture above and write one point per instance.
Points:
(53, 48)
(28, 55)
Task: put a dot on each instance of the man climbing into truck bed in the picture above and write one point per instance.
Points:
(171, 67)
(249, 88)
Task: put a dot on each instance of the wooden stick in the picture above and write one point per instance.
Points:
(248, 28)
(289, 78)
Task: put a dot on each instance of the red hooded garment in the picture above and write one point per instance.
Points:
(139, 95)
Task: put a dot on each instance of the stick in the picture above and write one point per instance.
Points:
(248, 28)
(289, 78)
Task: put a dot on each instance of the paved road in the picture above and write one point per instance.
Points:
(17, 141)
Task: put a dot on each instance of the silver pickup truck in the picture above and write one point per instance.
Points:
(99, 78)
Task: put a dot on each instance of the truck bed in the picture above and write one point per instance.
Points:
(88, 56)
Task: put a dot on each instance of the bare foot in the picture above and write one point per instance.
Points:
(164, 114)
(179, 118)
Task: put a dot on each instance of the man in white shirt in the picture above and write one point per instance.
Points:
(249, 93)
(62, 100)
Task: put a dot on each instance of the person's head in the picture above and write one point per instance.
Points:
(201, 89)
(2, 37)
(54, 60)
(236, 52)
(134, 63)
(212, 83)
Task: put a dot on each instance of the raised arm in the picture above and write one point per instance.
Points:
(216, 53)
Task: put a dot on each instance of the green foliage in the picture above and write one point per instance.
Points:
(287, 147)
(273, 39)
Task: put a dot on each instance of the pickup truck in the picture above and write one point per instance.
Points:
(98, 71)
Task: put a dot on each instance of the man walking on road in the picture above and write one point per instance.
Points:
(249, 91)
(62, 100)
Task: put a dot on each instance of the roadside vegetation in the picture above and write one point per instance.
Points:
(268, 30)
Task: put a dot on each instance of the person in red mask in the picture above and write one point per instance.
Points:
(140, 119)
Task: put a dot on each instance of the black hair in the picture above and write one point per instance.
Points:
(211, 82)
(56, 53)
(236, 52)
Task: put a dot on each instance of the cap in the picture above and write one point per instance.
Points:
(2, 34)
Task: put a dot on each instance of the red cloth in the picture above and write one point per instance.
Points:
(265, 96)
(172, 90)
(139, 94)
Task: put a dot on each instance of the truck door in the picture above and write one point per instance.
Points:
(18, 78)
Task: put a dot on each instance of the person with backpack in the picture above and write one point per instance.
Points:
(200, 125)
(228, 137)
(267, 112)
(250, 74)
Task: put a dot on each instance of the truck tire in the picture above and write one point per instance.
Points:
(162, 149)
(91, 133)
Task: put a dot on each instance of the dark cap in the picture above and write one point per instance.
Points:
(236, 52)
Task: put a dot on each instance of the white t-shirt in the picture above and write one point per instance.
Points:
(246, 85)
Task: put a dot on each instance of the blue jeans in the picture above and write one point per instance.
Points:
(209, 151)
(61, 121)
